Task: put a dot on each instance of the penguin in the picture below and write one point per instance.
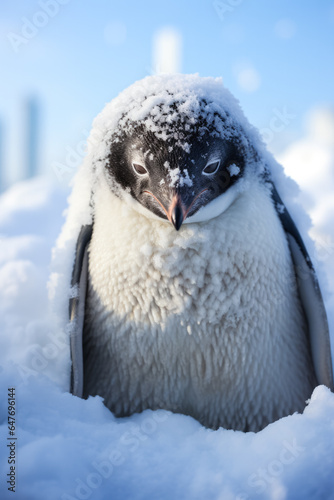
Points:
(195, 291)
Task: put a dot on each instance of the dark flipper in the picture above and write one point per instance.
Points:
(77, 309)
(310, 296)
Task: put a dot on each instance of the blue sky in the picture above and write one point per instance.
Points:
(272, 55)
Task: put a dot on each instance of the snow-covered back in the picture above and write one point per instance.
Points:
(70, 448)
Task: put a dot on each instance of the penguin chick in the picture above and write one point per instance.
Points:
(193, 303)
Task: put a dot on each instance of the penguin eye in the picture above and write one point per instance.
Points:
(211, 168)
(139, 169)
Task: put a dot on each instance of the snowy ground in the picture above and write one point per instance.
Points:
(69, 448)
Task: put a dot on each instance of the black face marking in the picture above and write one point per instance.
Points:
(154, 171)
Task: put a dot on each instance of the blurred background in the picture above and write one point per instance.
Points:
(62, 60)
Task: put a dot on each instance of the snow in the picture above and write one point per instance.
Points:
(185, 179)
(69, 448)
(176, 178)
(174, 174)
(233, 169)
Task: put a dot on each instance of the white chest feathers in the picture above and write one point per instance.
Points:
(205, 321)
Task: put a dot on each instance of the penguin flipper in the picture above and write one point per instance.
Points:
(310, 295)
(77, 309)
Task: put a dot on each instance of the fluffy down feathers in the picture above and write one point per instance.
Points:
(205, 322)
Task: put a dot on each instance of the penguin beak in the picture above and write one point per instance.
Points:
(177, 212)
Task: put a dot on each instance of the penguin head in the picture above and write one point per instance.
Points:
(175, 181)
(181, 155)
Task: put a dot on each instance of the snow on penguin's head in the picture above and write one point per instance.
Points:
(176, 147)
